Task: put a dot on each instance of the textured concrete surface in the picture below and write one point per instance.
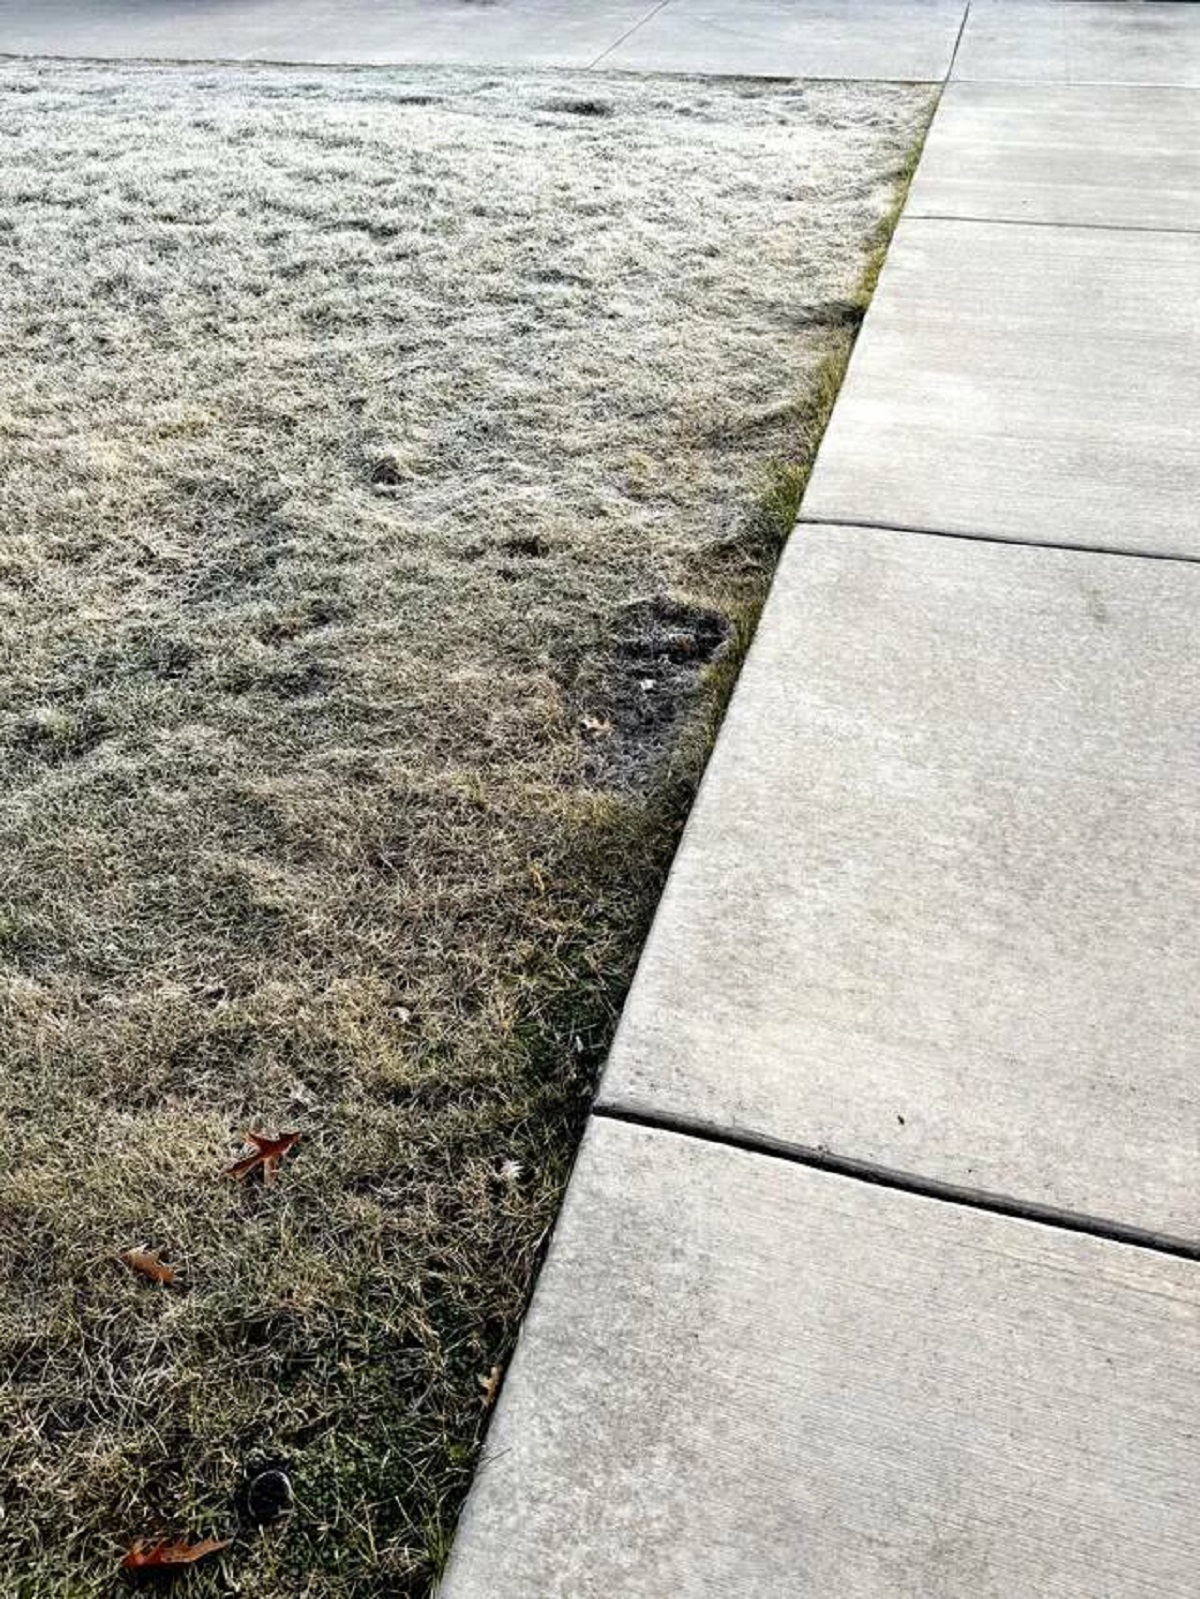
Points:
(898, 39)
(1079, 154)
(1082, 41)
(938, 905)
(506, 32)
(1049, 41)
(1024, 383)
(742, 1377)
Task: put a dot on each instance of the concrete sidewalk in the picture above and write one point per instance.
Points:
(879, 1273)
(893, 39)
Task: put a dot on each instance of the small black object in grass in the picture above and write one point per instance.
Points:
(268, 1495)
(264, 1494)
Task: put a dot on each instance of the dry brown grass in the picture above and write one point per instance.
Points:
(383, 456)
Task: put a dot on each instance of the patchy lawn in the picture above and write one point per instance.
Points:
(391, 464)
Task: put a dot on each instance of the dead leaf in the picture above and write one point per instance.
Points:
(268, 1152)
(596, 727)
(171, 1552)
(491, 1387)
(147, 1262)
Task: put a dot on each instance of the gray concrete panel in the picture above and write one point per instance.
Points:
(938, 905)
(911, 40)
(1024, 383)
(1082, 41)
(1106, 157)
(742, 1377)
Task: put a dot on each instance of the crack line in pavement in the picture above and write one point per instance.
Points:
(994, 538)
(1039, 222)
(628, 34)
(962, 28)
(863, 1171)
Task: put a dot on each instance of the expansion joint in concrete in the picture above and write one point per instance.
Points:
(824, 1160)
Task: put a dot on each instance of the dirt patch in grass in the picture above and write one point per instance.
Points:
(392, 463)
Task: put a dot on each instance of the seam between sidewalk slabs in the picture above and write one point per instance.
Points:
(628, 34)
(1039, 222)
(1086, 83)
(1118, 551)
(875, 1176)
(958, 39)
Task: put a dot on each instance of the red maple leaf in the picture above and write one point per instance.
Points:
(170, 1552)
(268, 1152)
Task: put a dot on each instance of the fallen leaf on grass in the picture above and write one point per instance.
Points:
(147, 1262)
(268, 1152)
(491, 1387)
(595, 726)
(171, 1552)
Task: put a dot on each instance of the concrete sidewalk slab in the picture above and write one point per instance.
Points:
(503, 32)
(1107, 156)
(742, 1377)
(1082, 41)
(938, 905)
(133, 28)
(1024, 383)
(910, 40)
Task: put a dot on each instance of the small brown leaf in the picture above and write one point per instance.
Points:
(147, 1262)
(491, 1387)
(268, 1152)
(171, 1552)
(596, 727)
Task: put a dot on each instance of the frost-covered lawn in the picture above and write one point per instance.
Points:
(390, 467)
